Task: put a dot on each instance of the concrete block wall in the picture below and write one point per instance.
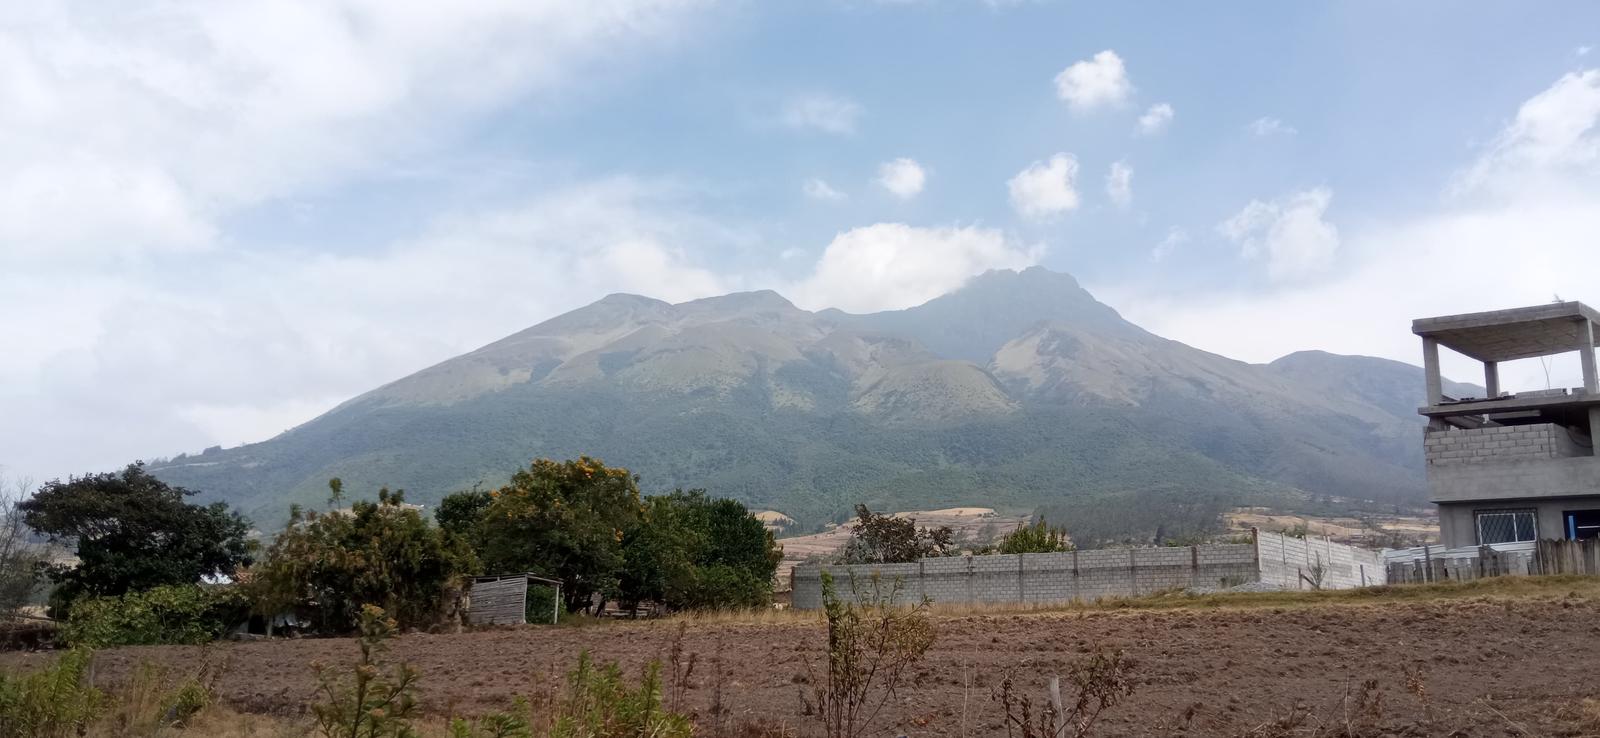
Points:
(1285, 559)
(1043, 578)
(1499, 443)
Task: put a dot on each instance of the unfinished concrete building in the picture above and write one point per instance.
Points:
(1511, 467)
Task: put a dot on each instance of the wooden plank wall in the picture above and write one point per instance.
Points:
(502, 602)
(1548, 557)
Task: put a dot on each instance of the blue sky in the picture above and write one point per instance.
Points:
(217, 220)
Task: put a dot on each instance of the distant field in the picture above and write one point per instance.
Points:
(1510, 657)
(971, 523)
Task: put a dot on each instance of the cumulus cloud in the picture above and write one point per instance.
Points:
(818, 189)
(821, 112)
(1100, 81)
(1155, 120)
(1046, 188)
(1504, 247)
(1270, 127)
(1119, 184)
(1289, 233)
(888, 266)
(1554, 133)
(903, 178)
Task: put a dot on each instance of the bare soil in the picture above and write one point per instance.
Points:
(1489, 667)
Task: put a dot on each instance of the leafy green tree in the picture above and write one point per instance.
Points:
(332, 564)
(170, 614)
(886, 539)
(132, 532)
(690, 551)
(461, 514)
(1036, 538)
(562, 519)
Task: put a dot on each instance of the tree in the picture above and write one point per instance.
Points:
(1036, 538)
(132, 532)
(460, 514)
(20, 556)
(689, 551)
(886, 539)
(565, 520)
(330, 565)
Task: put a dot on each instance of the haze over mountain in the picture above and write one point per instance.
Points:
(1016, 390)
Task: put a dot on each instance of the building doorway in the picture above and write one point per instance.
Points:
(1581, 524)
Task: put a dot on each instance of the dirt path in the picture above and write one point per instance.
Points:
(1490, 667)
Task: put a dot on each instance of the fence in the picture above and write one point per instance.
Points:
(1429, 564)
(1271, 558)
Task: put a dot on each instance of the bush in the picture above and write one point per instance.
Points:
(600, 704)
(367, 703)
(54, 702)
(872, 642)
(180, 614)
(1036, 538)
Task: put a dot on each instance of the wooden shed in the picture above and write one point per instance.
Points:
(502, 599)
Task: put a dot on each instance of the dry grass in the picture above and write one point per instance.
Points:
(1498, 587)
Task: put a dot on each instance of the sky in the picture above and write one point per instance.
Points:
(220, 219)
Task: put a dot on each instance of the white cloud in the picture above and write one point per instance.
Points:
(821, 112)
(1582, 50)
(1101, 81)
(128, 129)
(893, 265)
(903, 178)
(1506, 247)
(1175, 238)
(818, 189)
(1554, 133)
(1290, 233)
(170, 357)
(1270, 127)
(1119, 184)
(1155, 120)
(1046, 188)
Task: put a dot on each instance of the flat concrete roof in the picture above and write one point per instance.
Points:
(1507, 335)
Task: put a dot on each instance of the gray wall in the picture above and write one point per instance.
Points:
(1091, 575)
(1458, 526)
(1286, 561)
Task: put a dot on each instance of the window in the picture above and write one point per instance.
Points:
(1506, 526)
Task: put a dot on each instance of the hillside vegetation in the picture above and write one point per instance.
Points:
(1016, 391)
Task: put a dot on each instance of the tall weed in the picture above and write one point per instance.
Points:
(54, 702)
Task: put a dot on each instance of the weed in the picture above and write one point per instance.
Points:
(1101, 682)
(872, 641)
(54, 702)
(366, 703)
(599, 704)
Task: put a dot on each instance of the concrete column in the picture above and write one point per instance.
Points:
(1586, 355)
(1430, 370)
(1491, 378)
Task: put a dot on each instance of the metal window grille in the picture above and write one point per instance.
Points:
(1506, 526)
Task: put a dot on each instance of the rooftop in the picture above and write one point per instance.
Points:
(1518, 333)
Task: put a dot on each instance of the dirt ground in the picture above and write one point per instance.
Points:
(1489, 667)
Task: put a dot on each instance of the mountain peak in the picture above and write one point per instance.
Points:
(742, 302)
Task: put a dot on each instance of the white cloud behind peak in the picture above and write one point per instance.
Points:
(1046, 188)
(1097, 82)
(904, 178)
(889, 266)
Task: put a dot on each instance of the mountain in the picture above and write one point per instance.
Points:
(1017, 390)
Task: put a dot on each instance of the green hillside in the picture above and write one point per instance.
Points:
(808, 413)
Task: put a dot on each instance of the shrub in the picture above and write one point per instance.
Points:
(179, 614)
(600, 704)
(152, 702)
(1036, 538)
(383, 553)
(1101, 682)
(872, 642)
(367, 703)
(54, 702)
(885, 539)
